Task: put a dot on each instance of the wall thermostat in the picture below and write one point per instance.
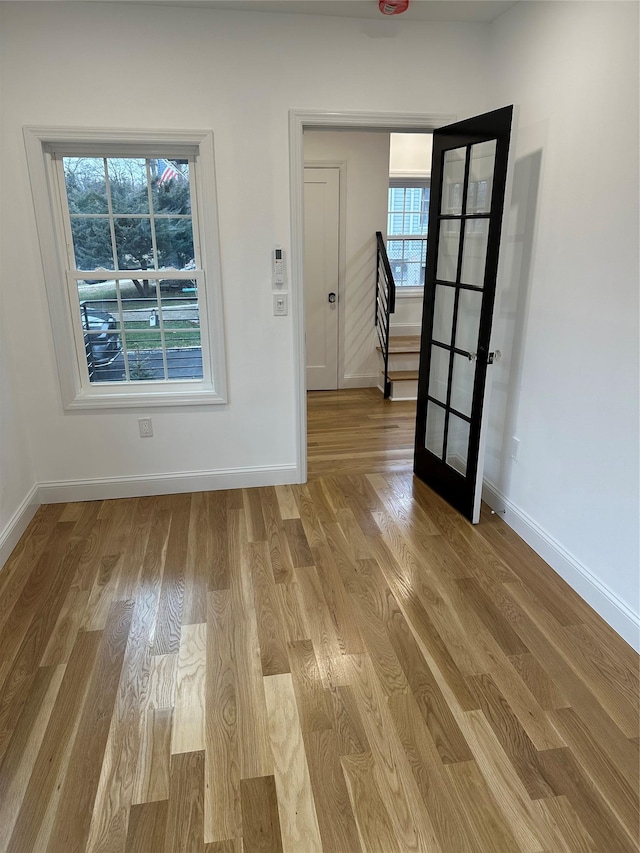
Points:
(278, 273)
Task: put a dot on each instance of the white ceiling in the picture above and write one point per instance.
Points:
(474, 11)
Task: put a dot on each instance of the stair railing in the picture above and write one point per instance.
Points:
(385, 306)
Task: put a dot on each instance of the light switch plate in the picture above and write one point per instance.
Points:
(280, 304)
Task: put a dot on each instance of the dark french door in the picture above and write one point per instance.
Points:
(468, 179)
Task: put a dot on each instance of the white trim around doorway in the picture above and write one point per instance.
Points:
(298, 121)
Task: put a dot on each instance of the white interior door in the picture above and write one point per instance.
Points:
(321, 271)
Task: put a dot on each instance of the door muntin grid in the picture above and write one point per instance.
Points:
(462, 243)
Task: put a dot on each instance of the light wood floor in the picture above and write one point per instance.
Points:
(358, 432)
(341, 666)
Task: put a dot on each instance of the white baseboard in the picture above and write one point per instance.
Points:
(394, 398)
(359, 380)
(595, 592)
(17, 524)
(166, 484)
(404, 389)
(405, 329)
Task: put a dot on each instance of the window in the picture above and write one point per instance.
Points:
(134, 288)
(408, 217)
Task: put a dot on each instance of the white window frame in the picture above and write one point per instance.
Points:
(43, 145)
(405, 290)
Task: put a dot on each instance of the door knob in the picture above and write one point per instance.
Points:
(472, 356)
(494, 356)
(332, 297)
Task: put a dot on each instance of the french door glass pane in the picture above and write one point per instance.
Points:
(443, 314)
(448, 250)
(481, 169)
(434, 433)
(439, 373)
(457, 444)
(474, 253)
(452, 181)
(462, 384)
(468, 325)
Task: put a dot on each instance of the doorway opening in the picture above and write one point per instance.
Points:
(301, 121)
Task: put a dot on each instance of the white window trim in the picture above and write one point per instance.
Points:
(39, 141)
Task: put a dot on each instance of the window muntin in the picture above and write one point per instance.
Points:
(407, 226)
(126, 338)
(132, 219)
(129, 212)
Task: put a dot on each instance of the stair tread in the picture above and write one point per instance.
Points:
(399, 375)
(403, 343)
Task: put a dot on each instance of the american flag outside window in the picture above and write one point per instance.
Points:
(166, 172)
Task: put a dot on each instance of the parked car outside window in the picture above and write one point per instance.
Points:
(101, 338)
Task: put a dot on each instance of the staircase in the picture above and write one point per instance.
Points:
(400, 354)
(403, 361)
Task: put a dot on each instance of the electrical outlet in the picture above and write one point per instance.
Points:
(146, 427)
(515, 448)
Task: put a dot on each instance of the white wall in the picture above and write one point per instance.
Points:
(238, 74)
(568, 316)
(17, 477)
(365, 156)
(410, 155)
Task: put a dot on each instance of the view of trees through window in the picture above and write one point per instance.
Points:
(132, 233)
(129, 213)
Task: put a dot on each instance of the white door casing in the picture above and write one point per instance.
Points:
(321, 276)
(298, 121)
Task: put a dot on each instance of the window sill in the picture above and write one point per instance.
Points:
(408, 291)
(144, 399)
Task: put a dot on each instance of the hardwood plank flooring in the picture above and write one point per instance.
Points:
(343, 666)
(356, 431)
